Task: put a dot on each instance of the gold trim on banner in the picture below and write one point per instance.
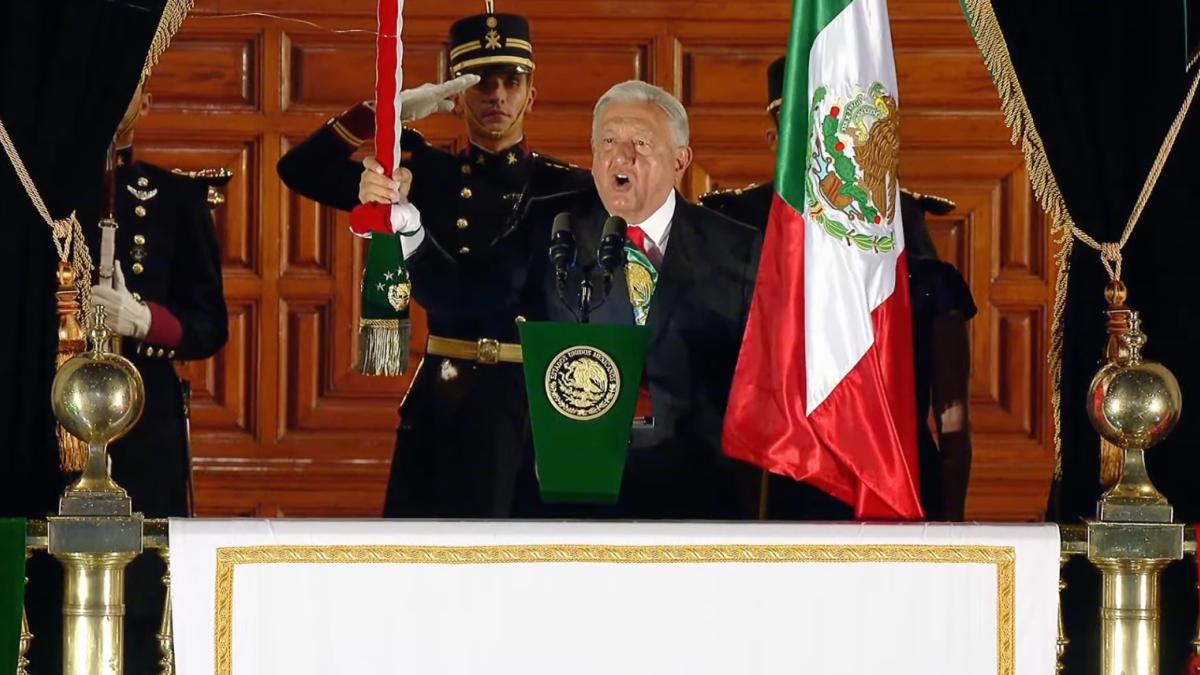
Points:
(990, 39)
(1002, 557)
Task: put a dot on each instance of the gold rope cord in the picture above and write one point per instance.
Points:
(1017, 116)
(67, 233)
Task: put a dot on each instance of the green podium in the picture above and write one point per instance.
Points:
(583, 383)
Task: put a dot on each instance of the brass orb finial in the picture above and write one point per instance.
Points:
(98, 396)
(1134, 403)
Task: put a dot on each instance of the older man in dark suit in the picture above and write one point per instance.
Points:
(689, 276)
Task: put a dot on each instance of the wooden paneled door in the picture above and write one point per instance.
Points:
(282, 426)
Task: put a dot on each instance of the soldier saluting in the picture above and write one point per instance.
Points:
(462, 442)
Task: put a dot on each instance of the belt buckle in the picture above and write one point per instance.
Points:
(488, 351)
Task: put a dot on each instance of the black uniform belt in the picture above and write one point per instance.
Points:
(483, 350)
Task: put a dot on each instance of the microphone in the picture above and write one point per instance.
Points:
(611, 254)
(562, 248)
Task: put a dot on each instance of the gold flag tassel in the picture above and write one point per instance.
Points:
(1112, 458)
(383, 346)
(72, 452)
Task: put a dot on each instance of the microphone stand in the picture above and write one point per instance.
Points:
(585, 298)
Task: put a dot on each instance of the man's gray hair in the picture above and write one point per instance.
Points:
(636, 91)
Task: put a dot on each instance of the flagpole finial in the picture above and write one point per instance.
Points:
(490, 6)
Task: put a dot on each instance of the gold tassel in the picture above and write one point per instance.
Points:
(72, 452)
(1112, 458)
(992, 46)
(383, 346)
(1112, 463)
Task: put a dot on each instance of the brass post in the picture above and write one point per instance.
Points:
(26, 639)
(1133, 404)
(166, 634)
(1063, 641)
(97, 396)
(1130, 616)
(94, 612)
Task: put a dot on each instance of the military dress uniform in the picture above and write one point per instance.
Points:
(462, 441)
(167, 247)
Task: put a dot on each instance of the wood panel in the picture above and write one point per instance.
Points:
(282, 424)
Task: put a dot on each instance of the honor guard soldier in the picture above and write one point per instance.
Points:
(165, 299)
(462, 441)
(941, 306)
(752, 204)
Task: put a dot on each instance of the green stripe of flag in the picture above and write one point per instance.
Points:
(12, 590)
(809, 18)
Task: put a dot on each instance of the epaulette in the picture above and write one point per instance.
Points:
(728, 191)
(214, 178)
(938, 206)
(411, 140)
(554, 163)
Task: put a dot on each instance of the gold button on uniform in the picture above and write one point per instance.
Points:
(137, 268)
(466, 193)
(464, 250)
(140, 211)
(143, 182)
(137, 297)
(466, 169)
(139, 239)
(462, 224)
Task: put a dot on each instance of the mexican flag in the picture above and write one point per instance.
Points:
(12, 590)
(823, 390)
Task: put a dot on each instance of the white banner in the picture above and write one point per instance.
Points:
(257, 597)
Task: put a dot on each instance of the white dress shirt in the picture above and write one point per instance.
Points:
(658, 229)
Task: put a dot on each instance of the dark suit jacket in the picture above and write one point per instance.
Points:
(698, 313)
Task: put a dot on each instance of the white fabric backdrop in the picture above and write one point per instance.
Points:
(927, 605)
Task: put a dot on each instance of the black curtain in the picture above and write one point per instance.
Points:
(67, 70)
(1103, 81)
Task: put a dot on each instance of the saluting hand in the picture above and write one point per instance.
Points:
(374, 185)
(427, 99)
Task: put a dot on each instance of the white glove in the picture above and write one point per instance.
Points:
(406, 221)
(122, 314)
(430, 98)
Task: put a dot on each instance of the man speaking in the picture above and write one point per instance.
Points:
(688, 276)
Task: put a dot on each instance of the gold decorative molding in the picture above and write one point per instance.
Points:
(1003, 558)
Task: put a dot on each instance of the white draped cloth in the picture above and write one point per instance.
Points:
(300, 597)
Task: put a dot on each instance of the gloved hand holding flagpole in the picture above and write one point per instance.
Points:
(383, 327)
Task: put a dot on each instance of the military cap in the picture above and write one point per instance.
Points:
(775, 84)
(490, 39)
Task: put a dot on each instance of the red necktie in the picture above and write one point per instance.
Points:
(637, 236)
(644, 411)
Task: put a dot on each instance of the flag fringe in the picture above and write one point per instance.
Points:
(383, 346)
(1017, 116)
